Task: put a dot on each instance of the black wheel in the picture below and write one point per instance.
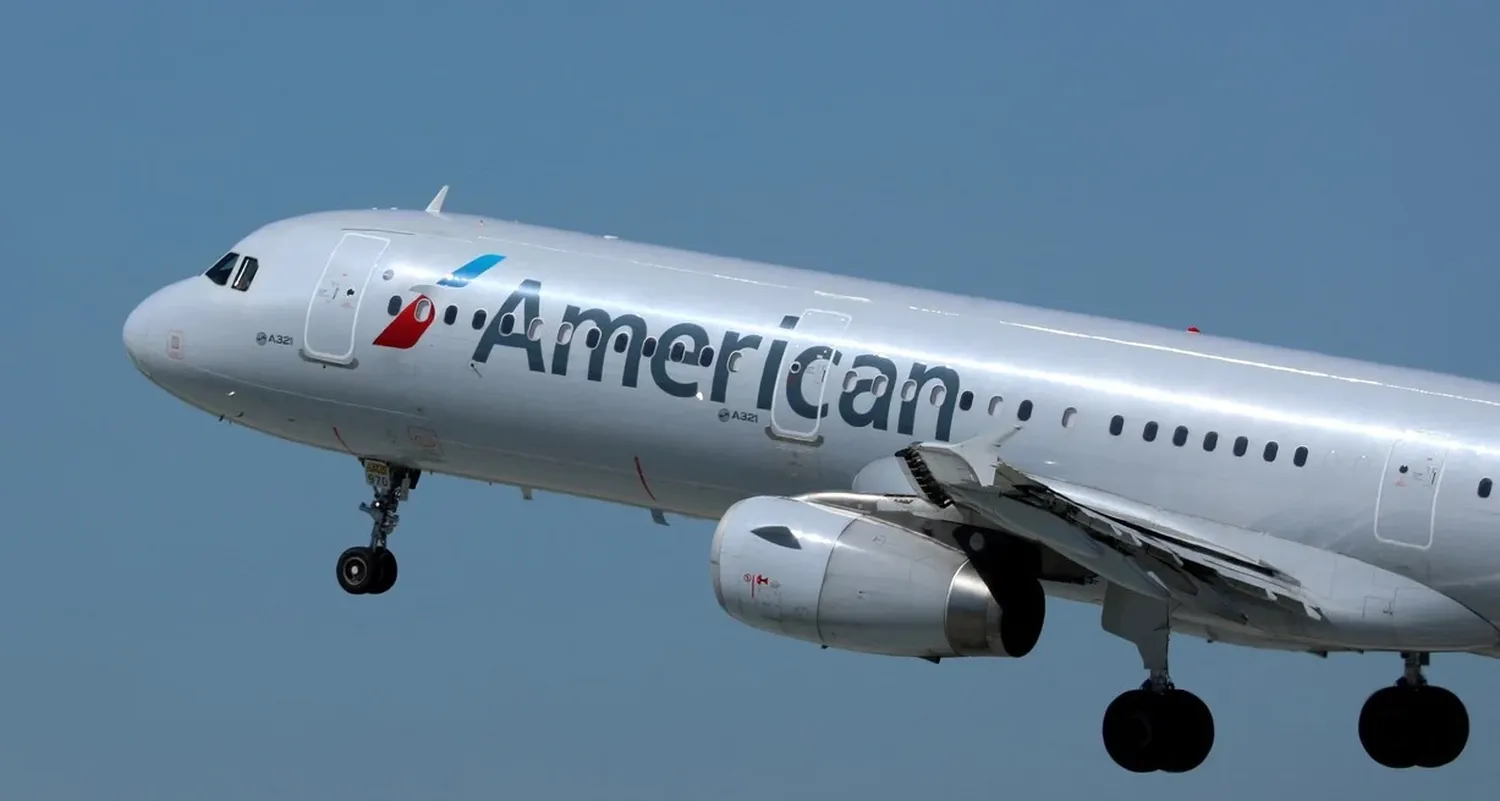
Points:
(1191, 726)
(1171, 731)
(1132, 731)
(385, 572)
(358, 570)
(1388, 727)
(1445, 722)
(1449, 726)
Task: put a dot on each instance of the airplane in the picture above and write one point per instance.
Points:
(889, 470)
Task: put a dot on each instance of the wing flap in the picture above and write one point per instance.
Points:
(1147, 558)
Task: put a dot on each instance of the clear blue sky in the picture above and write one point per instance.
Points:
(1320, 175)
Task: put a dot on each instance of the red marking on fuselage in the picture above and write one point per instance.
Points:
(404, 331)
(642, 474)
(340, 438)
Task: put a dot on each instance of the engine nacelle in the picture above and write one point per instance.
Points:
(847, 581)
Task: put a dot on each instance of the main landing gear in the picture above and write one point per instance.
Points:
(1156, 727)
(371, 570)
(1413, 724)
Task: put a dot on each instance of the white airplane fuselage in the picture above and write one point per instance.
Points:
(1356, 493)
(1381, 464)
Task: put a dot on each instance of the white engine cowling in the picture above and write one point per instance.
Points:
(847, 581)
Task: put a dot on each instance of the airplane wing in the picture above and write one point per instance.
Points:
(1146, 558)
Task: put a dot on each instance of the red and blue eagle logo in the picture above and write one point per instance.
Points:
(407, 328)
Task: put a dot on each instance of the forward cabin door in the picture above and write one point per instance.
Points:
(334, 309)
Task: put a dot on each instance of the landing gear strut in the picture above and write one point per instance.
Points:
(1156, 727)
(1413, 724)
(371, 570)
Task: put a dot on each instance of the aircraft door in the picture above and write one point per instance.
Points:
(334, 310)
(1408, 491)
(802, 379)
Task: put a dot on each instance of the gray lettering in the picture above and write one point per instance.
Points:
(529, 293)
(796, 396)
(879, 412)
(607, 326)
(659, 359)
(732, 342)
(921, 374)
(773, 366)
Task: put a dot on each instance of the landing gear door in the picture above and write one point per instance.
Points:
(334, 309)
(802, 379)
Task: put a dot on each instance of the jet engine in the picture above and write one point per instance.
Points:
(844, 580)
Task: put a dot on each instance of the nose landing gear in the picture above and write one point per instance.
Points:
(371, 569)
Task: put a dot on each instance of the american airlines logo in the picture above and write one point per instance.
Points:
(872, 393)
(406, 330)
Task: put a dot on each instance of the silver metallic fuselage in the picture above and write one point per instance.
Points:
(680, 436)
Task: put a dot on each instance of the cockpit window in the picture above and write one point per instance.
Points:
(247, 273)
(219, 273)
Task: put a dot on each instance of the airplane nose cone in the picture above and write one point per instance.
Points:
(140, 334)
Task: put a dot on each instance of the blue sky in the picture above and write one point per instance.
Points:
(1317, 175)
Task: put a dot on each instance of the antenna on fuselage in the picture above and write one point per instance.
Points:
(436, 206)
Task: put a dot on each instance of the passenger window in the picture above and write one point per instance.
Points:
(882, 385)
(966, 400)
(1210, 440)
(678, 351)
(1179, 437)
(733, 362)
(995, 403)
(908, 390)
(219, 273)
(622, 341)
(507, 324)
(649, 347)
(1241, 444)
(706, 357)
(1270, 452)
(937, 395)
(393, 306)
(1299, 456)
(247, 273)
(1149, 432)
(1485, 485)
(1023, 412)
(565, 333)
(591, 339)
(534, 331)
(450, 315)
(850, 379)
(478, 321)
(1116, 425)
(1067, 418)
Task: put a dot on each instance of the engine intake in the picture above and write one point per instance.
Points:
(840, 579)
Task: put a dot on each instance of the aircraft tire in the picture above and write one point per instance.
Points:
(1146, 731)
(358, 570)
(1407, 726)
(386, 569)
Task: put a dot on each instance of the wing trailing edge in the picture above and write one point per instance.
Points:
(1142, 556)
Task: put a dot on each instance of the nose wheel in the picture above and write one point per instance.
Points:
(371, 569)
(363, 570)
